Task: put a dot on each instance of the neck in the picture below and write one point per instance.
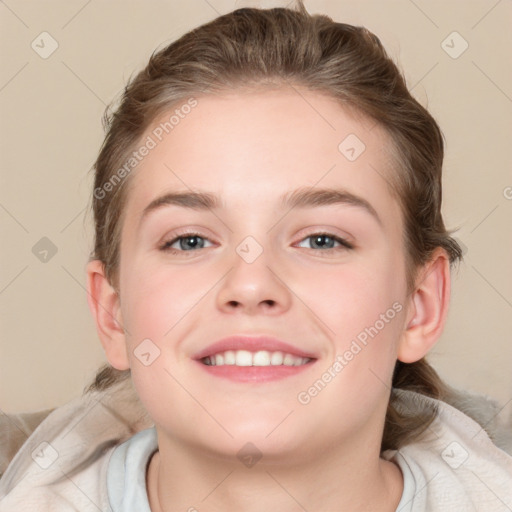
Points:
(182, 478)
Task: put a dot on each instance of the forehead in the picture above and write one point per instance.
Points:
(250, 148)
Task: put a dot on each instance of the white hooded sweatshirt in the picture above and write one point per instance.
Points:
(99, 445)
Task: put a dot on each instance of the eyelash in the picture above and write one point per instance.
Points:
(345, 245)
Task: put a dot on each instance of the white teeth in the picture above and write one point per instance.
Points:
(243, 358)
(229, 357)
(277, 358)
(289, 360)
(260, 358)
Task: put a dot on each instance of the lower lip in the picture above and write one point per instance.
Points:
(254, 373)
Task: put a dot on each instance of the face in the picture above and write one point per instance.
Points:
(276, 257)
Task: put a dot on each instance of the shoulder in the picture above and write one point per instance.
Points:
(455, 464)
(63, 464)
(59, 492)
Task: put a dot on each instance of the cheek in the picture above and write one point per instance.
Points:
(158, 308)
(360, 309)
(157, 297)
(362, 313)
(348, 299)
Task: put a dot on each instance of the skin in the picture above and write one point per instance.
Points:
(249, 148)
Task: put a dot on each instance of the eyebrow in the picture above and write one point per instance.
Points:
(300, 198)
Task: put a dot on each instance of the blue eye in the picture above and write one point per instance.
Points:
(187, 242)
(326, 241)
(191, 241)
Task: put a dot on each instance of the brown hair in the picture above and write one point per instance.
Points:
(272, 47)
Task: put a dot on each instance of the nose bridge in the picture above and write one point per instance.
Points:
(253, 282)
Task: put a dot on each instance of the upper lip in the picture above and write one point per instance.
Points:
(252, 344)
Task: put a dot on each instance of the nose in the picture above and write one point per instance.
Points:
(254, 287)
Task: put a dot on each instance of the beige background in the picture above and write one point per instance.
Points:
(51, 131)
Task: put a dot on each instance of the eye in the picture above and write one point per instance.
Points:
(186, 243)
(326, 241)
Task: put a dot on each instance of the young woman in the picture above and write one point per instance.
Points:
(270, 269)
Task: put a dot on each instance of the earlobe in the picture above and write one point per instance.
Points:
(105, 308)
(429, 307)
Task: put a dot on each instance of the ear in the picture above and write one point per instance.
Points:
(105, 307)
(427, 310)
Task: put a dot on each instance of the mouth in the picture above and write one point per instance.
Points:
(244, 358)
